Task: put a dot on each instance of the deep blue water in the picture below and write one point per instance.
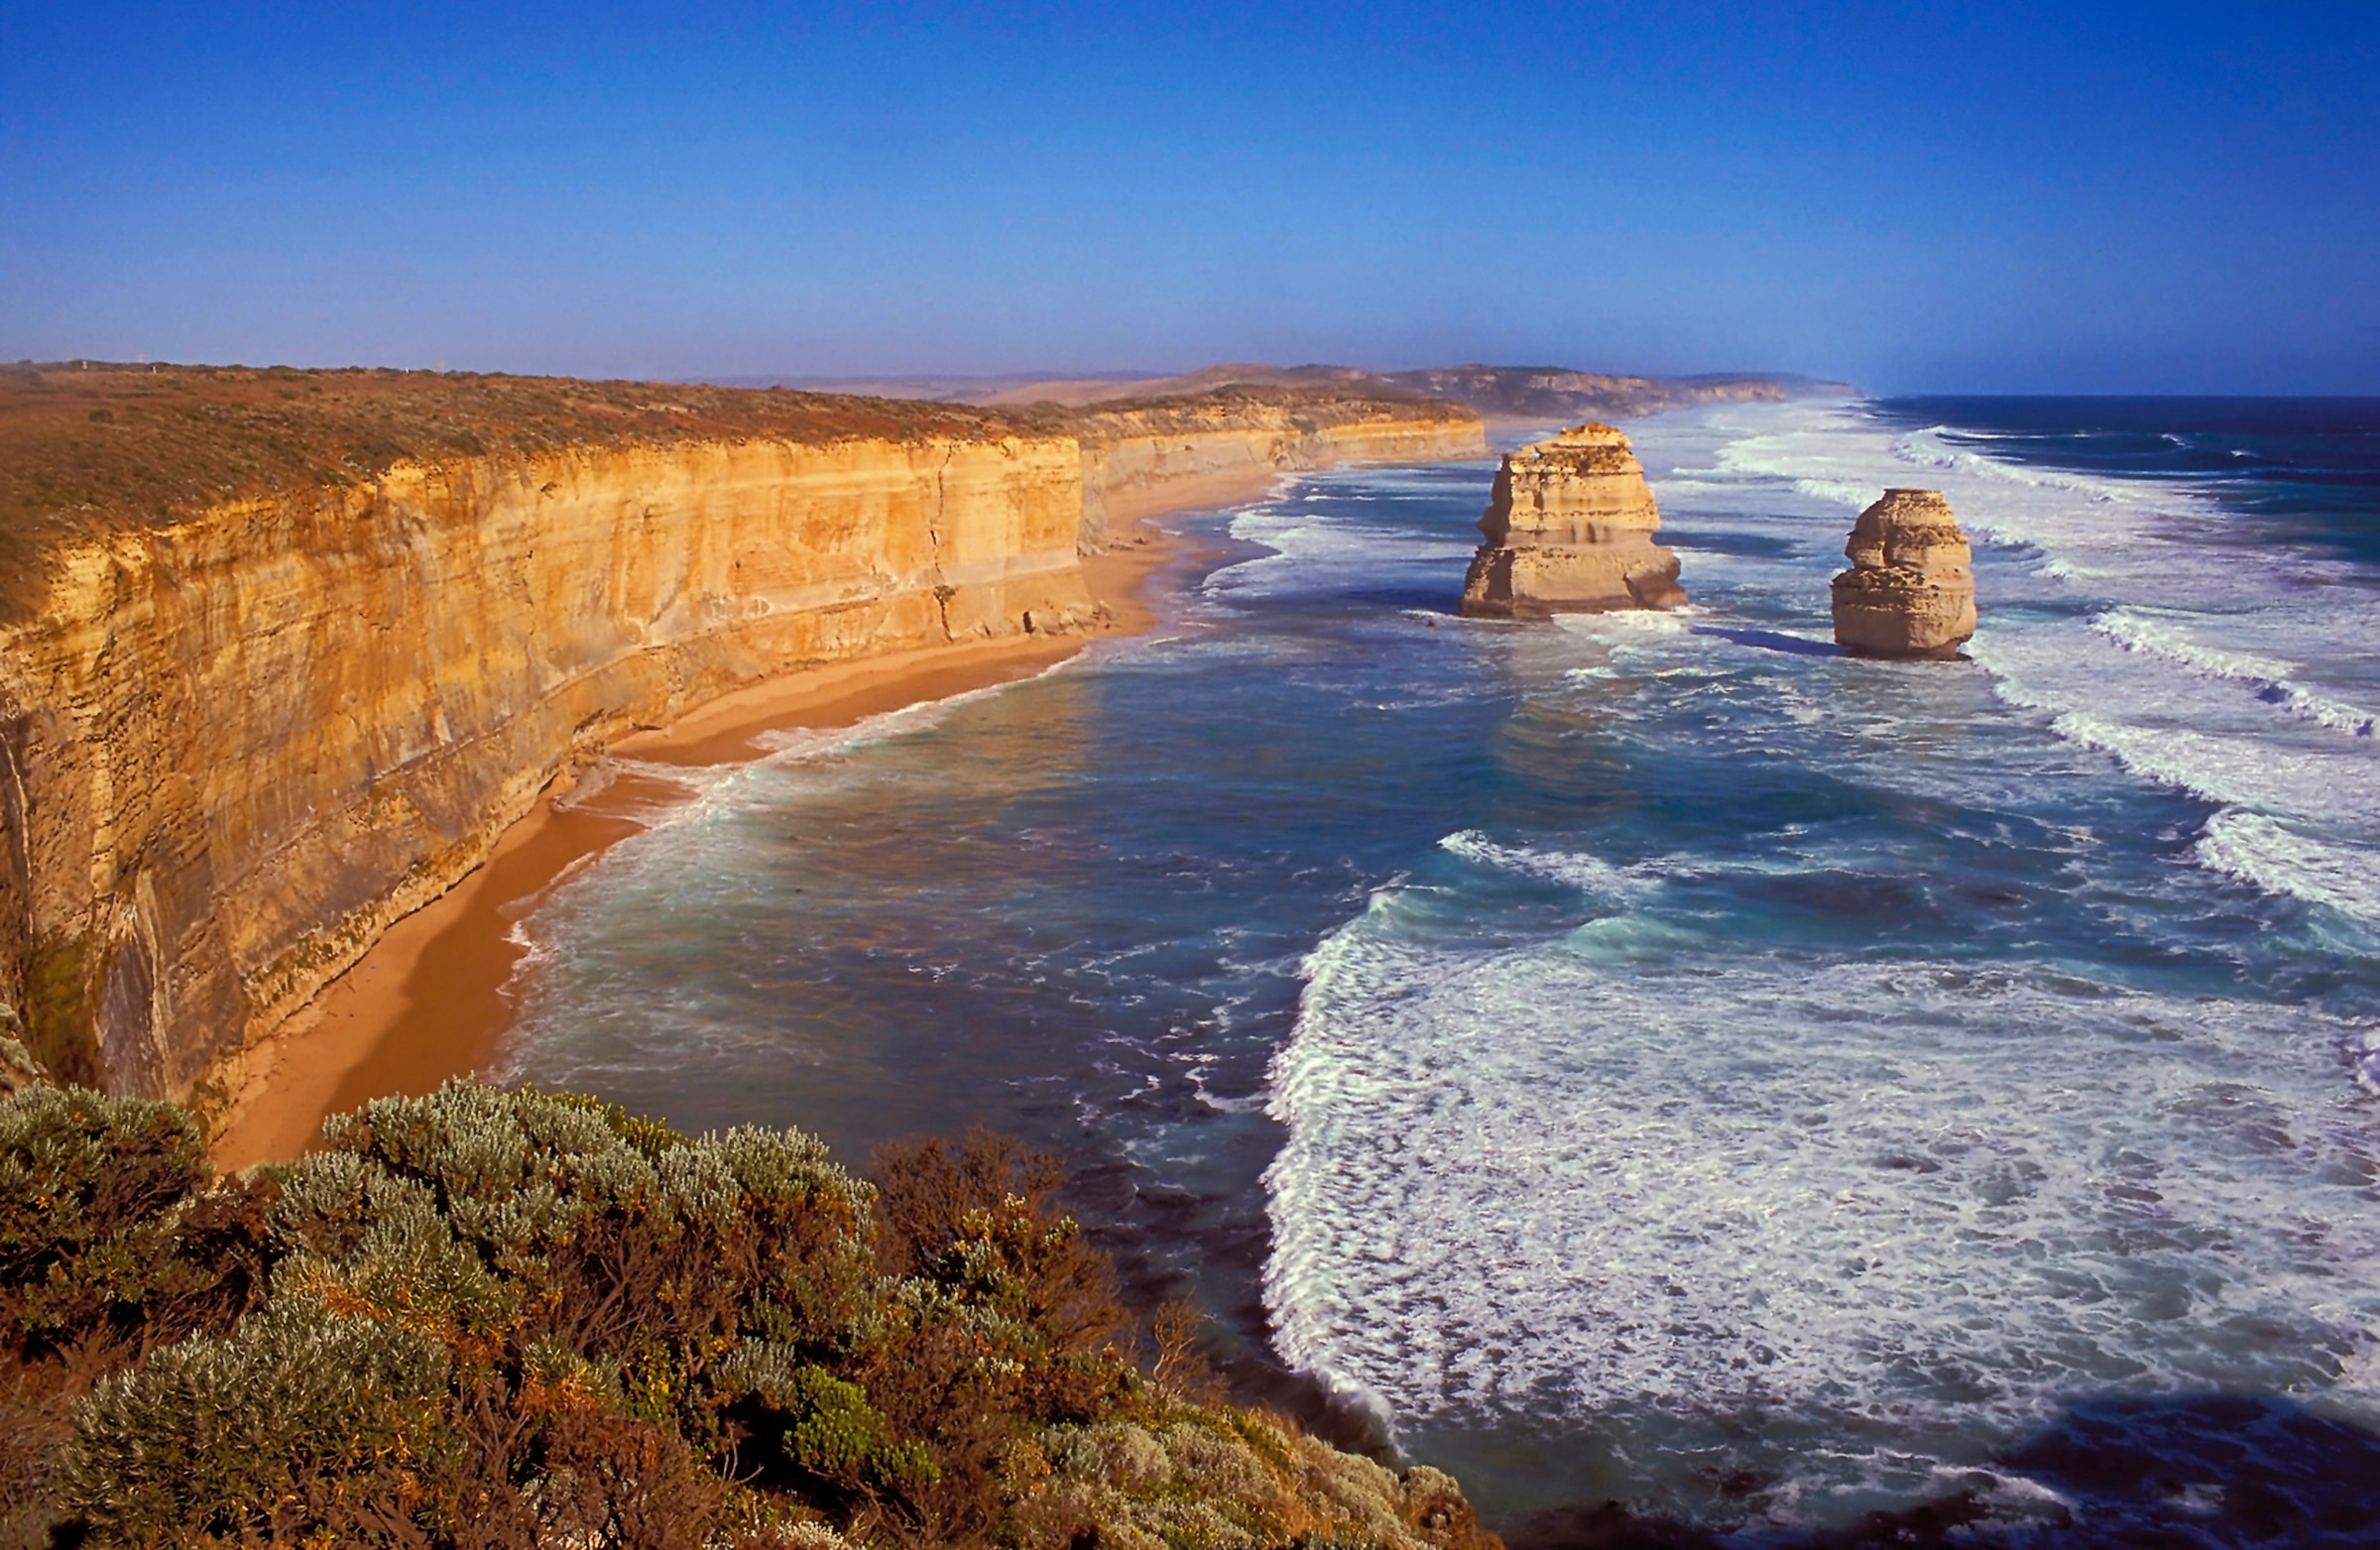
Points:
(2306, 469)
(1648, 1057)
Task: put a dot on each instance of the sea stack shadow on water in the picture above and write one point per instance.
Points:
(1570, 530)
(1911, 590)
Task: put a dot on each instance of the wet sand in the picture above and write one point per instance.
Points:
(429, 1001)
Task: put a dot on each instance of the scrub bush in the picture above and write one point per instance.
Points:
(111, 1230)
(301, 1421)
(492, 1318)
(115, 1240)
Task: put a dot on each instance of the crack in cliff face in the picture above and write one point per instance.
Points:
(943, 591)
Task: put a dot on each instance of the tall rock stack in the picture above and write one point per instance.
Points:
(1570, 530)
(1911, 588)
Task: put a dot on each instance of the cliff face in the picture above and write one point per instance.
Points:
(237, 747)
(239, 737)
(1131, 452)
(1911, 588)
(1570, 530)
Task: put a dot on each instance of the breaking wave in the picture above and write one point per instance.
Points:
(1742, 1201)
(2140, 621)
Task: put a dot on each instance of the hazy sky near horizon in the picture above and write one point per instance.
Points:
(2017, 198)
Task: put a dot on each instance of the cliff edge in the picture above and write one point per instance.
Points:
(282, 653)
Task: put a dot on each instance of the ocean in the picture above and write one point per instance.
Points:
(1647, 1057)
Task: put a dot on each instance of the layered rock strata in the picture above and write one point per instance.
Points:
(1911, 588)
(238, 746)
(1130, 455)
(240, 736)
(1570, 530)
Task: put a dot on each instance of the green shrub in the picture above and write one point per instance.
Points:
(492, 1318)
(301, 1421)
(110, 1231)
(840, 1440)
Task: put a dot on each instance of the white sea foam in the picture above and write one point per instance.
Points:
(1308, 546)
(2272, 681)
(2137, 622)
(2364, 1052)
(2142, 630)
(2234, 770)
(2276, 858)
(1628, 624)
(1675, 1192)
(1590, 874)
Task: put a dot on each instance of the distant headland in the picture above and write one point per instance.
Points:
(1519, 394)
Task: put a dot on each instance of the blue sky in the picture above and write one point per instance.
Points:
(1988, 198)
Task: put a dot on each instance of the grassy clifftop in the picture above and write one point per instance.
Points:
(91, 447)
(97, 446)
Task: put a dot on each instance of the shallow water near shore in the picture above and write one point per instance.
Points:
(1647, 1056)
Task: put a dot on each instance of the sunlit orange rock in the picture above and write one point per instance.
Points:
(1911, 588)
(1570, 530)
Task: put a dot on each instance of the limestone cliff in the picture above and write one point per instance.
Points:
(239, 745)
(1570, 530)
(283, 653)
(1135, 448)
(1911, 588)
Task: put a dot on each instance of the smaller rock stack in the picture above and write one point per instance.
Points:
(1911, 588)
(1570, 530)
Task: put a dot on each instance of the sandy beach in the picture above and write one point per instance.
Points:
(429, 1001)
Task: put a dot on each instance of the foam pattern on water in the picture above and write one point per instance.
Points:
(1590, 874)
(1703, 1068)
(1743, 1199)
(2145, 624)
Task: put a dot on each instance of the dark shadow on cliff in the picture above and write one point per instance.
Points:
(1772, 641)
(2199, 1471)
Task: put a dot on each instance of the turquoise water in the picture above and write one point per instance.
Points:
(1647, 1056)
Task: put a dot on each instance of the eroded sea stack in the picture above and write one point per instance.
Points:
(1911, 588)
(1570, 530)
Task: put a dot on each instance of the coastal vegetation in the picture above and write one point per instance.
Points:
(100, 446)
(513, 1318)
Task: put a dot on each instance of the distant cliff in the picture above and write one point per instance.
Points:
(1537, 395)
(1553, 392)
(282, 653)
(1134, 451)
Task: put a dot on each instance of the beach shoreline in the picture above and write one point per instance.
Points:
(428, 1001)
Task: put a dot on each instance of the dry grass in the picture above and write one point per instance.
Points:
(90, 448)
(106, 446)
